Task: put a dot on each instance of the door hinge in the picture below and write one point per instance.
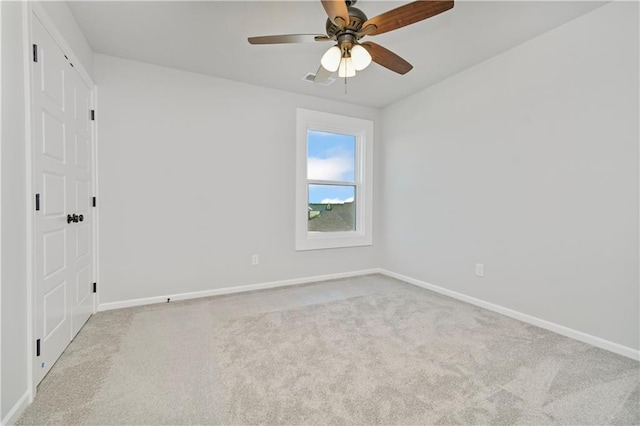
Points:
(93, 114)
(95, 287)
(35, 53)
(38, 347)
(37, 202)
(93, 201)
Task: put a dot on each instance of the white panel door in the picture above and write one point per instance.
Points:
(79, 173)
(63, 179)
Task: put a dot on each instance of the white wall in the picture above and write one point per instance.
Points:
(196, 174)
(13, 332)
(527, 163)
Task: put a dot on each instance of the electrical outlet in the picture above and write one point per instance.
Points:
(480, 269)
(255, 259)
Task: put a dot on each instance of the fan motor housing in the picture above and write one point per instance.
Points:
(356, 19)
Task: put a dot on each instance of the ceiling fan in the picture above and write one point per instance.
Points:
(346, 25)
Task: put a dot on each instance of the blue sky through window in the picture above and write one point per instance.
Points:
(331, 157)
(331, 194)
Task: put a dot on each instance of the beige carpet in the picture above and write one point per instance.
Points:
(368, 350)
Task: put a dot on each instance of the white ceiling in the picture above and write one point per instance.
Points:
(210, 37)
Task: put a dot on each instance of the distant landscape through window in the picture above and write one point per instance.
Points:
(331, 174)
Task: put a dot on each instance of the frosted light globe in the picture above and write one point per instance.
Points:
(346, 68)
(360, 56)
(331, 59)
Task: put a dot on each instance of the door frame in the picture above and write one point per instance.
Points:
(31, 11)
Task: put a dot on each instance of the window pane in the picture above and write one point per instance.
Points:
(331, 156)
(332, 208)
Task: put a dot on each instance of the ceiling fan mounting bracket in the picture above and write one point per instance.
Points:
(369, 29)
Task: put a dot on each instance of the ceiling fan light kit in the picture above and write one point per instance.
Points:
(346, 25)
(343, 61)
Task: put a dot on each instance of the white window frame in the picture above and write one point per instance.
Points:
(363, 131)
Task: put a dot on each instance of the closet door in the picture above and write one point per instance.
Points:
(63, 181)
(79, 173)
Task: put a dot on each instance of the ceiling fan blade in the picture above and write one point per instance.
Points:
(405, 15)
(337, 12)
(288, 38)
(322, 75)
(387, 58)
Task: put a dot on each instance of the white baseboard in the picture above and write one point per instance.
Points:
(556, 328)
(231, 290)
(15, 412)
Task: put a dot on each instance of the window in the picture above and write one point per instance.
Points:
(334, 192)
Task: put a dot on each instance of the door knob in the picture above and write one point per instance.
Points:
(74, 218)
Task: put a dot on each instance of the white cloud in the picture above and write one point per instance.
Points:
(333, 168)
(336, 201)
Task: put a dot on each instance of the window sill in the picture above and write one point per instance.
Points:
(329, 240)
